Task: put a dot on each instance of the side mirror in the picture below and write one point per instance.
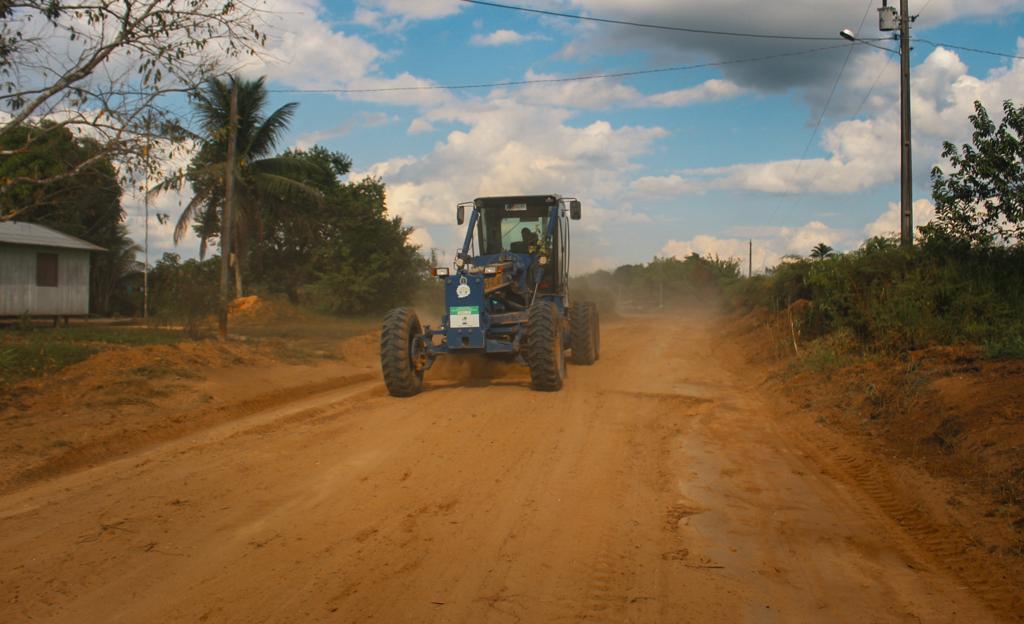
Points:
(574, 210)
(460, 214)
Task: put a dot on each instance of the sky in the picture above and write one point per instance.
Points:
(748, 146)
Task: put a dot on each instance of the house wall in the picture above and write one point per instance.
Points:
(19, 293)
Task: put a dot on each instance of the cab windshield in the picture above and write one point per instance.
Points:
(514, 229)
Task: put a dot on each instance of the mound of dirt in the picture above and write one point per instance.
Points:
(126, 397)
(362, 351)
(254, 310)
(947, 410)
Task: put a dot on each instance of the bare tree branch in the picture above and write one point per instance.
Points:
(102, 69)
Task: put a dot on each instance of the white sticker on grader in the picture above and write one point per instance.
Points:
(464, 316)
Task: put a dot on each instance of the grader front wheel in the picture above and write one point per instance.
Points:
(544, 353)
(400, 357)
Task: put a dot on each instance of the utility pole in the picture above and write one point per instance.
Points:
(906, 190)
(750, 259)
(145, 202)
(888, 21)
(226, 217)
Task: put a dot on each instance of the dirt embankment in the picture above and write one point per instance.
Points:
(125, 398)
(943, 431)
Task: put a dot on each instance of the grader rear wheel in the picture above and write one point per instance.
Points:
(581, 323)
(595, 325)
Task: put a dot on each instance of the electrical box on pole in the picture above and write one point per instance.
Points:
(888, 18)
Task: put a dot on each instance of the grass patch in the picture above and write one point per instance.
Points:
(27, 352)
(20, 361)
(127, 336)
(1008, 345)
(828, 354)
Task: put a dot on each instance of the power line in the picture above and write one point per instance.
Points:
(621, 74)
(606, 20)
(923, 9)
(936, 44)
(824, 109)
(888, 60)
(721, 33)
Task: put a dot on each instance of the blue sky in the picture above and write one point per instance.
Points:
(665, 163)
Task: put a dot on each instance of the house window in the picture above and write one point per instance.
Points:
(46, 269)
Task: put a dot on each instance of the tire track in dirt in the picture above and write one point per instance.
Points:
(655, 487)
(118, 444)
(949, 546)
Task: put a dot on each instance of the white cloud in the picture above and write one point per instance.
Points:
(605, 93)
(422, 239)
(362, 120)
(306, 52)
(663, 186)
(768, 247)
(724, 248)
(583, 94)
(509, 147)
(710, 91)
(888, 223)
(419, 126)
(502, 37)
(419, 9)
(174, 159)
(821, 18)
(864, 153)
(394, 15)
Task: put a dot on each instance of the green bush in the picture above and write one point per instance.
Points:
(185, 293)
(941, 291)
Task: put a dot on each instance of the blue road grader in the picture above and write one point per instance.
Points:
(506, 297)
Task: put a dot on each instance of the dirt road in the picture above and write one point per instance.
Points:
(659, 486)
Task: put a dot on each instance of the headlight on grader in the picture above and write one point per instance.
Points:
(490, 270)
(441, 272)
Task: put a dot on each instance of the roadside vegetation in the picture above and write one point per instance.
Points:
(962, 283)
(318, 252)
(28, 351)
(306, 233)
(917, 351)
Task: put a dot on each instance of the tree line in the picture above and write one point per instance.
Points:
(301, 230)
(962, 282)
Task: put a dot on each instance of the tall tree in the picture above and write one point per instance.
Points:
(982, 198)
(86, 205)
(100, 68)
(821, 251)
(262, 182)
(347, 252)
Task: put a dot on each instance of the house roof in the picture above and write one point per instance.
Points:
(18, 233)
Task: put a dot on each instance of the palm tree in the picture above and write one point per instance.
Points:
(262, 180)
(821, 251)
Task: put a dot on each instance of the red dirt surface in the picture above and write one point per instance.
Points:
(943, 433)
(124, 398)
(670, 482)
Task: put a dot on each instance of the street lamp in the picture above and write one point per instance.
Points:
(847, 34)
(887, 21)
